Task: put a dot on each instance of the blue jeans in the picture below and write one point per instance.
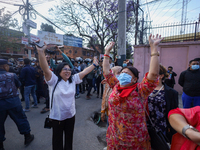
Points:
(94, 83)
(27, 90)
(77, 89)
(189, 101)
(18, 116)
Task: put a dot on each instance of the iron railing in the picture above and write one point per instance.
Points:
(175, 32)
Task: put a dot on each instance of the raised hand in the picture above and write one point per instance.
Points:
(154, 40)
(109, 47)
(41, 49)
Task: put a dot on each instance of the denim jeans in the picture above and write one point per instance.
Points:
(27, 90)
(18, 116)
(189, 101)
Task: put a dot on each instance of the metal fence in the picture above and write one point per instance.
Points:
(174, 32)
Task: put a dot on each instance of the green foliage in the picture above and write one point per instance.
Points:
(9, 38)
(47, 27)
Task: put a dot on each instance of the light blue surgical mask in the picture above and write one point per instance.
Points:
(195, 67)
(117, 76)
(124, 65)
(124, 78)
(32, 64)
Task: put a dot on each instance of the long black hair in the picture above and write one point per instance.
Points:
(59, 69)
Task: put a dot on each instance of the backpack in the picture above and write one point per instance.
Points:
(8, 88)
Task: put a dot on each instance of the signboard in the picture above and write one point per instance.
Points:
(24, 40)
(34, 38)
(31, 24)
(72, 41)
(50, 38)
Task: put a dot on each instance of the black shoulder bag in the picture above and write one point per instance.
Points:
(48, 121)
(158, 140)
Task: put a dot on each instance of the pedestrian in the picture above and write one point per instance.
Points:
(127, 121)
(62, 87)
(186, 123)
(28, 76)
(10, 104)
(90, 83)
(160, 102)
(170, 81)
(190, 81)
(83, 84)
(99, 78)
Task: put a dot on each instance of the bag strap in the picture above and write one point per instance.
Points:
(153, 125)
(53, 93)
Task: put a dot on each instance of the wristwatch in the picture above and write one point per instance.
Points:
(188, 127)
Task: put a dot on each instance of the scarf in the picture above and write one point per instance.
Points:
(124, 92)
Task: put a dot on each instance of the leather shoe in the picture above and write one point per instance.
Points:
(28, 139)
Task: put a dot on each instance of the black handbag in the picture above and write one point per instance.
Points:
(158, 140)
(48, 121)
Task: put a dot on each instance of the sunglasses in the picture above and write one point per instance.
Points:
(67, 69)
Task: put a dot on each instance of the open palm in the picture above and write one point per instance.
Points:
(155, 40)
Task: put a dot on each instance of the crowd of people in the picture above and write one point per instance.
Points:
(124, 99)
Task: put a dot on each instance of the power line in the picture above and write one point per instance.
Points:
(171, 8)
(162, 10)
(148, 11)
(175, 12)
(168, 5)
(156, 9)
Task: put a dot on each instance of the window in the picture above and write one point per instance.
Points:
(88, 53)
(70, 51)
(84, 53)
(75, 51)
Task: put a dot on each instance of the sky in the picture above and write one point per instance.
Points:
(161, 12)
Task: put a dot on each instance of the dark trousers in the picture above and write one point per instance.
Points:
(89, 87)
(22, 92)
(46, 94)
(18, 116)
(98, 83)
(59, 127)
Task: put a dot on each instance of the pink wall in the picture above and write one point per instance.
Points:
(177, 55)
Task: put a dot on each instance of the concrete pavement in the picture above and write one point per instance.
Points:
(85, 132)
(87, 135)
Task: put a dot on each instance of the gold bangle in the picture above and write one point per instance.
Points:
(155, 54)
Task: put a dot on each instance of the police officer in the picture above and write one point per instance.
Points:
(10, 104)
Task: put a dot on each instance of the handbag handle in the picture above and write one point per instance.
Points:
(53, 93)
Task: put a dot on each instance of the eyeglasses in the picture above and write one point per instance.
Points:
(67, 69)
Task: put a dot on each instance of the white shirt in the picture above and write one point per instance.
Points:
(63, 99)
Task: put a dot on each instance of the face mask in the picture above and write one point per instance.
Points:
(117, 76)
(124, 65)
(195, 67)
(124, 78)
(32, 64)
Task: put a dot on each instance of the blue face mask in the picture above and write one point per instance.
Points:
(195, 67)
(124, 65)
(124, 78)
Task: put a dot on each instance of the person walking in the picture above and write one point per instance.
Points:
(62, 88)
(190, 81)
(28, 76)
(127, 121)
(10, 104)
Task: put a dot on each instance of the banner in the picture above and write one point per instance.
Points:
(72, 41)
(24, 41)
(50, 38)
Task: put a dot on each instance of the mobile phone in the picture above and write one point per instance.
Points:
(39, 43)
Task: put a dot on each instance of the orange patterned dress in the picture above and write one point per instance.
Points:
(127, 122)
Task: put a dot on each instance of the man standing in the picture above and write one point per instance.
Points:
(170, 81)
(10, 104)
(190, 81)
(28, 76)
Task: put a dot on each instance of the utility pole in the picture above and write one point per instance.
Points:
(184, 16)
(121, 51)
(136, 21)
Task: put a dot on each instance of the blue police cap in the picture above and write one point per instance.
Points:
(3, 61)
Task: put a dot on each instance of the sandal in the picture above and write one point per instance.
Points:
(44, 110)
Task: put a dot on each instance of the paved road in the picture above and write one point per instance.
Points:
(85, 133)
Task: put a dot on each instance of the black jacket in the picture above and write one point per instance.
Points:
(190, 81)
(171, 98)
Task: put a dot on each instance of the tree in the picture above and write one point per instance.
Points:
(46, 27)
(9, 39)
(95, 20)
